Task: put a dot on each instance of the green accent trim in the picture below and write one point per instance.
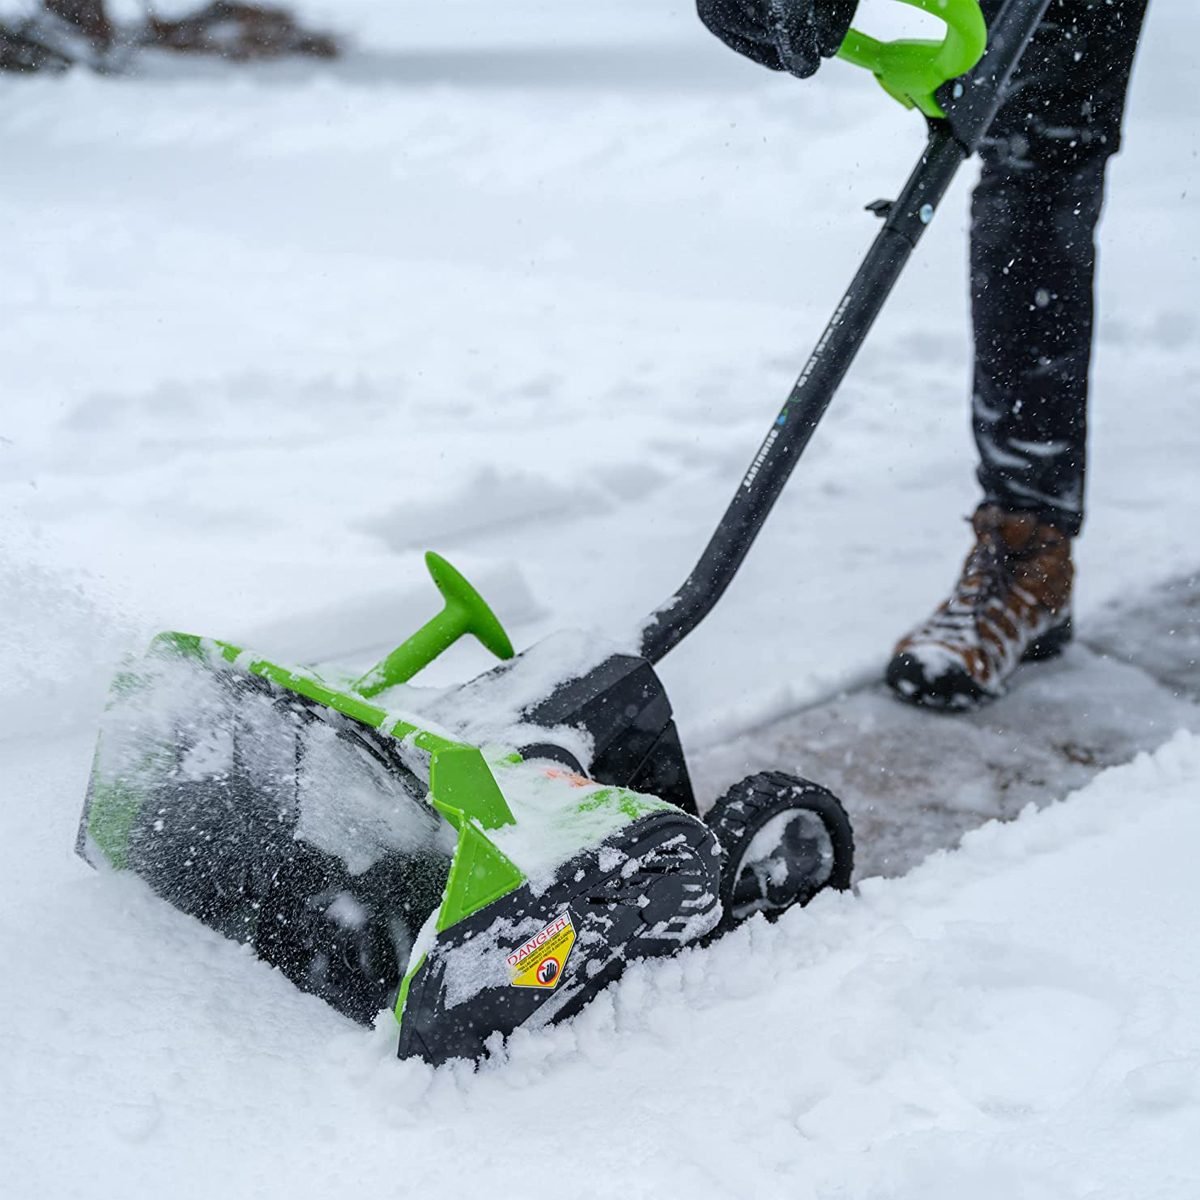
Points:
(112, 810)
(460, 781)
(479, 873)
(405, 984)
(349, 705)
(911, 70)
(113, 804)
(307, 684)
(465, 612)
(631, 804)
(463, 790)
(189, 645)
(312, 687)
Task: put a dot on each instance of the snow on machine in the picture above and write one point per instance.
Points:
(491, 856)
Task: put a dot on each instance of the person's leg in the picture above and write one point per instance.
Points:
(1033, 262)
(1033, 256)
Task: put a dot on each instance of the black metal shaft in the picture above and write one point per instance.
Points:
(950, 143)
(971, 103)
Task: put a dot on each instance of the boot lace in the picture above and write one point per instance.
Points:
(984, 581)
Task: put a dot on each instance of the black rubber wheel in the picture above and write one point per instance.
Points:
(783, 840)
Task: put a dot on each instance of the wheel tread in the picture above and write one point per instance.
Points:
(755, 800)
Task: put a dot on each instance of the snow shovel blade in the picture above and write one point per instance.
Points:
(374, 861)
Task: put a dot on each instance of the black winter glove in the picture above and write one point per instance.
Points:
(785, 35)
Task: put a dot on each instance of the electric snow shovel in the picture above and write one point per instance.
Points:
(491, 856)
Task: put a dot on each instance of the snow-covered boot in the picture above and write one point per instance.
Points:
(1011, 603)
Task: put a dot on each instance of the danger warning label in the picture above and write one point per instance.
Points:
(541, 960)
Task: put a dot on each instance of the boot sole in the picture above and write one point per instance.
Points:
(1051, 644)
(955, 690)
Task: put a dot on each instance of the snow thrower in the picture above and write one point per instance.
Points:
(491, 856)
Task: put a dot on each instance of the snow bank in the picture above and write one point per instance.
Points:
(1017, 1018)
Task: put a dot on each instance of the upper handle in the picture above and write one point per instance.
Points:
(913, 69)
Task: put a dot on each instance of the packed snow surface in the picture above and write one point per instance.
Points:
(525, 283)
(1018, 1018)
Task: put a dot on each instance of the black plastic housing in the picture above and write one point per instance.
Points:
(647, 891)
(623, 707)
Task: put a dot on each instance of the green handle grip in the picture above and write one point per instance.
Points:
(911, 70)
(465, 612)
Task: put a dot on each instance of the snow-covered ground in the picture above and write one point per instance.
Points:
(526, 284)
(1017, 1019)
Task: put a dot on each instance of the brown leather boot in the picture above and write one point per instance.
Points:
(1011, 603)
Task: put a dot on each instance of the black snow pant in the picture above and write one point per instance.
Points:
(1033, 254)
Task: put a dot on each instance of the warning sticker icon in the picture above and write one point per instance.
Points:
(540, 961)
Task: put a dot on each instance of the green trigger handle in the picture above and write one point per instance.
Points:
(911, 70)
